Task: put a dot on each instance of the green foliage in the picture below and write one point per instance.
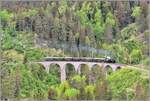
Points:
(8, 37)
(79, 79)
(130, 94)
(132, 44)
(128, 49)
(125, 79)
(62, 9)
(136, 11)
(7, 42)
(71, 93)
(98, 24)
(120, 53)
(146, 62)
(88, 21)
(77, 35)
(13, 55)
(89, 90)
(110, 19)
(53, 52)
(129, 31)
(33, 80)
(106, 46)
(31, 86)
(35, 54)
(136, 56)
(128, 52)
(87, 40)
(91, 15)
(60, 89)
(5, 15)
(15, 40)
(29, 13)
(82, 13)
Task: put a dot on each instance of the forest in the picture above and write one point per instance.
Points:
(32, 30)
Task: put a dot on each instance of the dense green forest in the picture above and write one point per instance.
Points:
(32, 30)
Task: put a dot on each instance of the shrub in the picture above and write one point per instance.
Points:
(71, 93)
(136, 11)
(35, 54)
(136, 56)
(90, 91)
(13, 55)
(125, 79)
(5, 15)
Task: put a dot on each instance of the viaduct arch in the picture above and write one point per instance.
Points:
(77, 66)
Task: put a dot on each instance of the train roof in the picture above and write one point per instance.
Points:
(87, 59)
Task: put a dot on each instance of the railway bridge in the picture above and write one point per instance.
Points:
(77, 62)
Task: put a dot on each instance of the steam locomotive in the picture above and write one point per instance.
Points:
(86, 59)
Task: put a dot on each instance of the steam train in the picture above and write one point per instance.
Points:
(86, 59)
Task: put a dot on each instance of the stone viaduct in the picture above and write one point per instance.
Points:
(77, 62)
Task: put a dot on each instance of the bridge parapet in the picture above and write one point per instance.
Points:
(77, 66)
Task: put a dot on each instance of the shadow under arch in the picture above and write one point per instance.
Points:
(118, 68)
(70, 71)
(96, 69)
(96, 73)
(55, 71)
(108, 69)
(83, 69)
